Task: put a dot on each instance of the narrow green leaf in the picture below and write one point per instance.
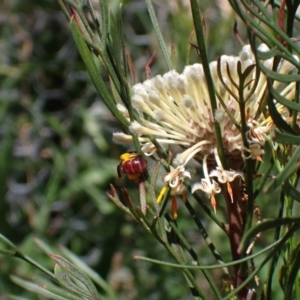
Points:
(179, 251)
(291, 167)
(197, 19)
(43, 246)
(285, 138)
(8, 253)
(114, 37)
(292, 275)
(122, 42)
(19, 254)
(271, 53)
(210, 267)
(263, 226)
(292, 191)
(64, 9)
(65, 272)
(286, 78)
(104, 22)
(287, 103)
(263, 30)
(89, 272)
(276, 117)
(94, 73)
(64, 280)
(6, 241)
(60, 292)
(159, 34)
(35, 288)
(271, 255)
(265, 169)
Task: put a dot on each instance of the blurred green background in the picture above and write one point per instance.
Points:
(56, 155)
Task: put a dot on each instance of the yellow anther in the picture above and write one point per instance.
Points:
(162, 193)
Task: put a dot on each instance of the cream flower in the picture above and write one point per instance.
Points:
(208, 186)
(175, 180)
(175, 109)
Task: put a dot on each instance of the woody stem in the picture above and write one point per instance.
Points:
(236, 214)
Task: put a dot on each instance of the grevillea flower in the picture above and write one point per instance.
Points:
(175, 109)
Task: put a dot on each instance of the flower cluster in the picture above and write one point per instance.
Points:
(175, 109)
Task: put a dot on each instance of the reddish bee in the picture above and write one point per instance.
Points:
(132, 164)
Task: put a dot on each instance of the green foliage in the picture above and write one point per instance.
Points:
(57, 160)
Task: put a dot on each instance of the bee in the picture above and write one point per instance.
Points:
(132, 164)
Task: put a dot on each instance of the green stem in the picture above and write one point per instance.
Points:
(195, 256)
(159, 34)
(210, 85)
